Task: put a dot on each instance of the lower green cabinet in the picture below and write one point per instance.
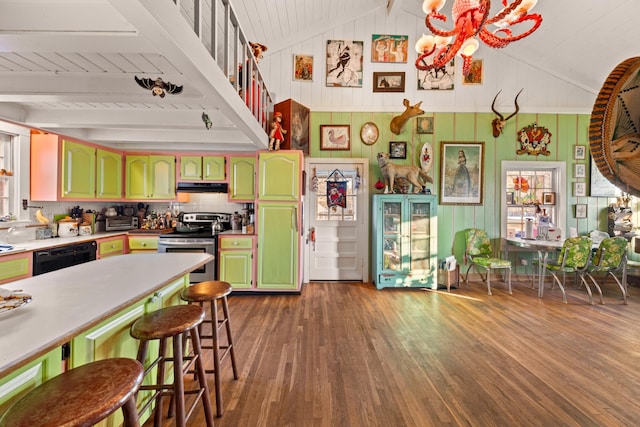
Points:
(236, 261)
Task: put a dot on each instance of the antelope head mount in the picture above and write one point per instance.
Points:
(498, 123)
(398, 122)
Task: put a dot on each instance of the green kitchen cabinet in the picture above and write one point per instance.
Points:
(21, 381)
(279, 245)
(405, 240)
(111, 246)
(15, 266)
(236, 261)
(78, 170)
(202, 168)
(108, 174)
(150, 177)
(242, 171)
(279, 175)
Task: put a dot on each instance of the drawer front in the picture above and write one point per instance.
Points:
(14, 267)
(111, 247)
(236, 243)
(143, 243)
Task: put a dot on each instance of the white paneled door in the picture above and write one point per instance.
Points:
(336, 218)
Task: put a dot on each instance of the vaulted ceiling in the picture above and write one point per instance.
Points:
(69, 65)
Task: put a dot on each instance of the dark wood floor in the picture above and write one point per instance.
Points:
(346, 354)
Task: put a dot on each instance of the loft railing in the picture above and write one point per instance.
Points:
(216, 25)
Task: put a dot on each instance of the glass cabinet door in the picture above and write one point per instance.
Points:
(420, 234)
(392, 235)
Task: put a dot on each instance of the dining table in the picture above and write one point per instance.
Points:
(543, 247)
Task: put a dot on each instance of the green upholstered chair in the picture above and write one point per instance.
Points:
(479, 254)
(574, 257)
(611, 258)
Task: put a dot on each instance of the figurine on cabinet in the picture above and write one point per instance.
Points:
(276, 136)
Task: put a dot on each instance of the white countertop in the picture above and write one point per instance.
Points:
(69, 301)
(36, 245)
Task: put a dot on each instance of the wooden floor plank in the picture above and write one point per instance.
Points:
(346, 354)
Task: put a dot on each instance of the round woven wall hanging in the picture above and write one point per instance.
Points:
(614, 129)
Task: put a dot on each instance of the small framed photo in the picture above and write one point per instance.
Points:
(302, 68)
(548, 198)
(424, 125)
(397, 150)
(388, 81)
(474, 76)
(335, 137)
(579, 170)
(579, 189)
(510, 197)
(579, 152)
(581, 210)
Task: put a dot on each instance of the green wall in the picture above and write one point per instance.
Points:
(567, 130)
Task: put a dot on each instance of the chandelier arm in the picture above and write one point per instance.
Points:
(437, 31)
(504, 12)
(441, 58)
(494, 40)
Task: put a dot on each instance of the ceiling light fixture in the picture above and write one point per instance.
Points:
(471, 18)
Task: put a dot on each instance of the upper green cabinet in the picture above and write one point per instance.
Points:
(242, 171)
(62, 169)
(279, 175)
(150, 177)
(202, 168)
(108, 174)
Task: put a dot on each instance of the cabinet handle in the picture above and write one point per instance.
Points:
(144, 244)
(235, 243)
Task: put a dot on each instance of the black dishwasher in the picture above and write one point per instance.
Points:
(64, 256)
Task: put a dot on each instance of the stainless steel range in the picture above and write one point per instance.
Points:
(197, 232)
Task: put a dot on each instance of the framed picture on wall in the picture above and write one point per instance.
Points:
(579, 152)
(548, 198)
(344, 63)
(579, 170)
(386, 48)
(599, 185)
(579, 189)
(475, 74)
(397, 150)
(302, 68)
(581, 210)
(424, 125)
(388, 81)
(335, 137)
(462, 173)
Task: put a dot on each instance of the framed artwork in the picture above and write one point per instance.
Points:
(424, 124)
(475, 75)
(510, 197)
(369, 133)
(579, 170)
(601, 186)
(335, 137)
(461, 173)
(302, 68)
(344, 63)
(579, 152)
(548, 198)
(388, 81)
(579, 189)
(437, 79)
(581, 210)
(386, 48)
(397, 150)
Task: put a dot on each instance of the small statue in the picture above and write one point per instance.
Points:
(276, 135)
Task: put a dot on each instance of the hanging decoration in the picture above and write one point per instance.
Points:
(534, 140)
(314, 182)
(206, 120)
(158, 87)
(356, 185)
(336, 190)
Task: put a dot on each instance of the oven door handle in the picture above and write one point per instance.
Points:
(166, 244)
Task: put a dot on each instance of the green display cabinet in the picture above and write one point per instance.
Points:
(405, 241)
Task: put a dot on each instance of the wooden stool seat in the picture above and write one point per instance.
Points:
(206, 291)
(175, 323)
(213, 291)
(168, 322)
(82, 396)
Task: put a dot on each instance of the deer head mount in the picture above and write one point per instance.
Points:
(398, 122)
(498, 123)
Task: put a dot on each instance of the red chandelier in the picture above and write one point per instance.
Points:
(471, 18)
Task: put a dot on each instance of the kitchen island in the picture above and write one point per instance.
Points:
(69, 302)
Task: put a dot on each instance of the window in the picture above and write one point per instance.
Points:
(527, 186)
(324, 212)
(7, 180)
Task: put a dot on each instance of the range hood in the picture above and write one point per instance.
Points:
(202, 187)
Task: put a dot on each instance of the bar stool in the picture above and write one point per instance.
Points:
(82, 396)
(214, 291)
(173, 322)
